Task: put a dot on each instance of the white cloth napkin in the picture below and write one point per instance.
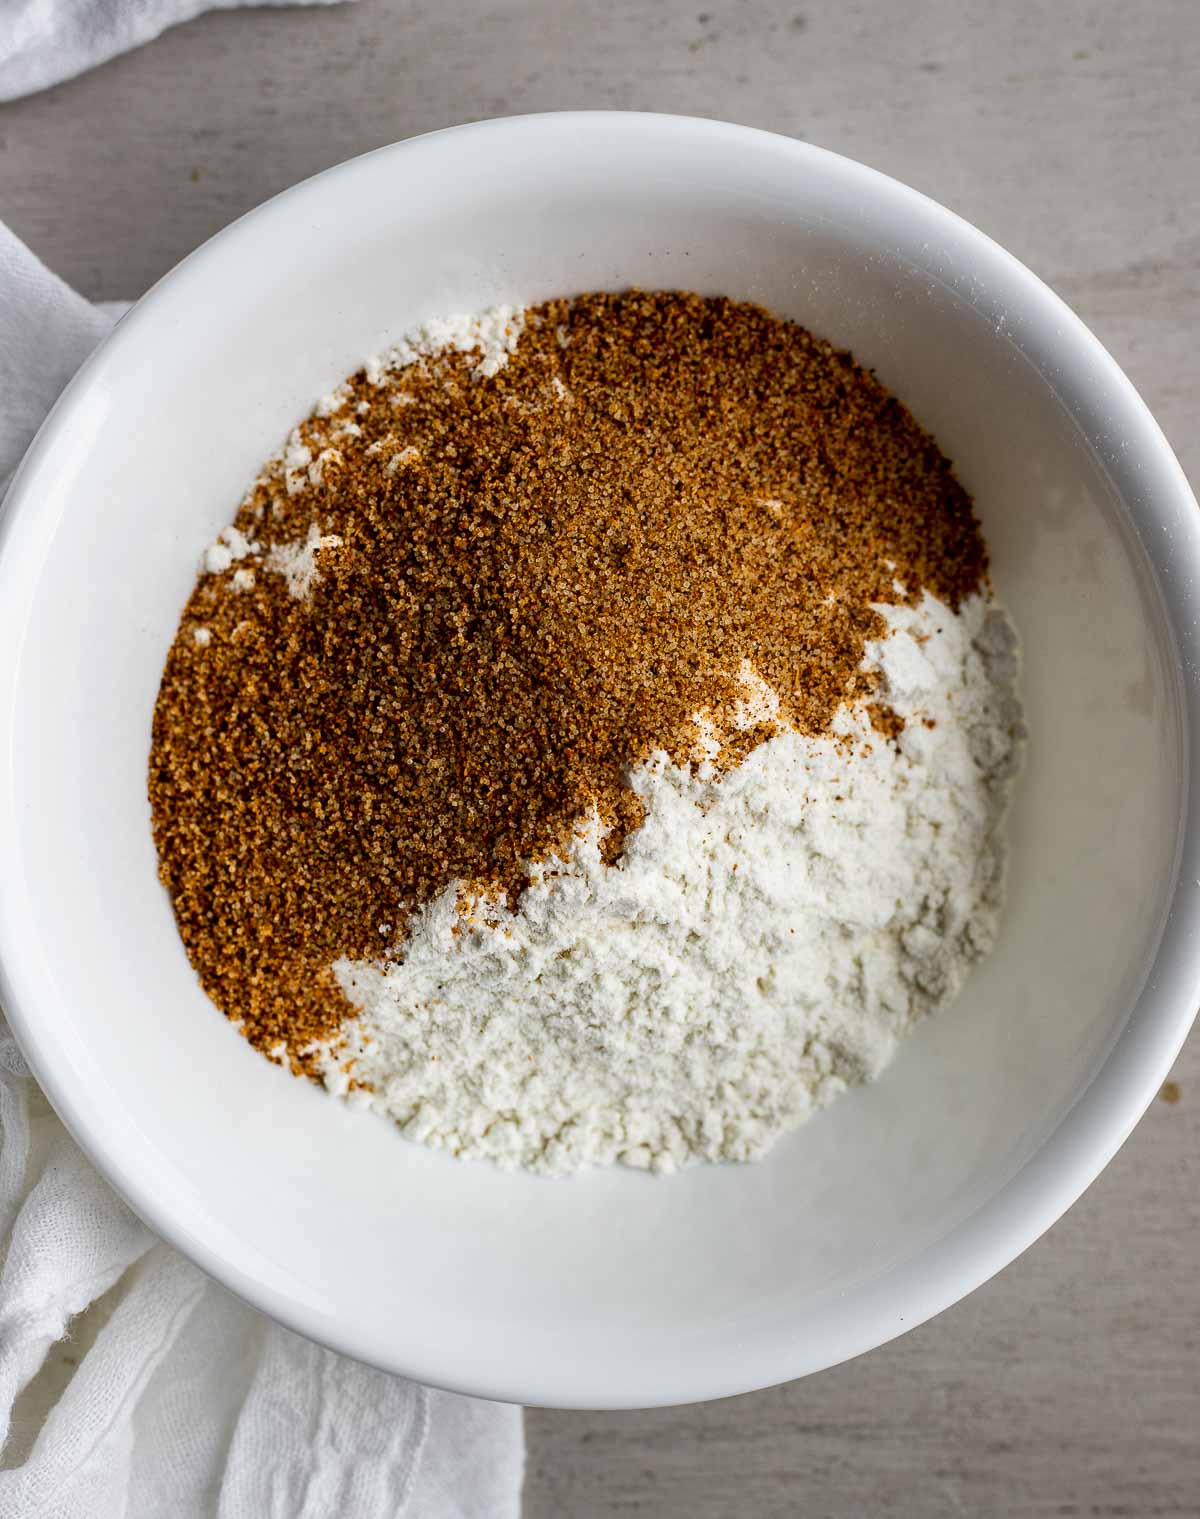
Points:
(189, 1404)
(45, 41)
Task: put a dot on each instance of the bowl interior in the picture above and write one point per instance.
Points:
(609, 1288)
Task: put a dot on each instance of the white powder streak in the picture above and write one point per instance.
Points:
(297, 562)
(763, 942)
(327, 456)
(231, 545)
(334, 401)
(493, 333)
(408, 455)
(297, 456)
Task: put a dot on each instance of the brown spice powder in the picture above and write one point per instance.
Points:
(542, 577)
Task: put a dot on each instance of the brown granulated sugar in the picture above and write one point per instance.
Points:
(527, 583)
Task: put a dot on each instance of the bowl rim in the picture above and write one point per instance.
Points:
(1152, 487)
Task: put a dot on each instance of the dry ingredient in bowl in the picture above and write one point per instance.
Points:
(591, 741)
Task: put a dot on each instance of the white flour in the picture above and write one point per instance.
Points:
(493, 333)
(762, 943)
(297, 562)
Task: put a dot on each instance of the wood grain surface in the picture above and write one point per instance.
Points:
(1070, 1385)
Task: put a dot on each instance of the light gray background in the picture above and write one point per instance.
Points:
(1070, 132)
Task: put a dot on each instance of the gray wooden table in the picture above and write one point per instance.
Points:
(1067, 129)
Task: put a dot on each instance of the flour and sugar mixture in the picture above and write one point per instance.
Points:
(592, 740)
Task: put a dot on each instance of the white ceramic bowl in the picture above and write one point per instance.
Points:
(611, 1289)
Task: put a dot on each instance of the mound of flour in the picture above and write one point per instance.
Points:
(764, 940)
